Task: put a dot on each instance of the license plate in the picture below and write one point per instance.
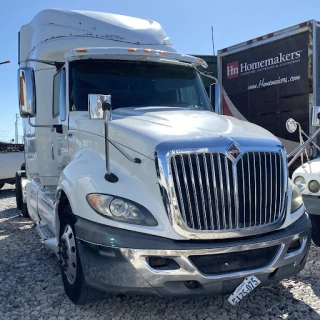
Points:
(247, 285)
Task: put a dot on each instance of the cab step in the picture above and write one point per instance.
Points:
(44, 232)
(48, 238)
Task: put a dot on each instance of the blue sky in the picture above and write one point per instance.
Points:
(188, 24)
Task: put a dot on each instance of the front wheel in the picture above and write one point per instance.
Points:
(315, 233)
(71, 270)
(19, 196)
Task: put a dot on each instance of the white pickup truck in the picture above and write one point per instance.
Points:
(133, 180)
(11, 161)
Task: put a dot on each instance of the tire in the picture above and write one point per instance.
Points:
(24, 211)
(71, 270)
(19, 198)
(1, 185)
(315, 233)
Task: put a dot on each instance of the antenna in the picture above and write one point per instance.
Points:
(214, 53)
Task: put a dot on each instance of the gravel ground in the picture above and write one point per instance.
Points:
(31, 287)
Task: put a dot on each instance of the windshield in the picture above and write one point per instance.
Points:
(137, 84)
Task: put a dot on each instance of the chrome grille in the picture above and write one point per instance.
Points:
(213, 192)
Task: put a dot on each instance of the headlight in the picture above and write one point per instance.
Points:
(300, 182)
(296, 201)
(122, 210)
(314, 186)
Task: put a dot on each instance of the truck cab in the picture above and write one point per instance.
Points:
(133, 180)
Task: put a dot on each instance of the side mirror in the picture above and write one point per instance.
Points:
(315, 116)
(27, 93)
(215, 94)
(100, 108)
(98, 103)
(291, 125)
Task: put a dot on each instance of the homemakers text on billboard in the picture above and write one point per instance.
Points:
(280, 60)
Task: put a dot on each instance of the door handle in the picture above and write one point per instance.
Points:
(52, 151)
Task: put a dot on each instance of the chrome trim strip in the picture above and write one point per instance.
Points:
(236, 195)
(208, 189)
(244, 194)
(227, 175)
(222, 192)
(187, 190)
(266, 186)
(280, 187)
(215, 190)
(250, 202)
(255, 188)
(260, 171)
(276, 198)
(194, 189)
(179, 187)
(201, 193)
(271, 203)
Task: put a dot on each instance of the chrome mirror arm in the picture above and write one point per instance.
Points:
(296, 152)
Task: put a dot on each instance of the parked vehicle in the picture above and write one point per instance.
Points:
(132, 179)
(11, 160)
(307, 176)
(272, 78)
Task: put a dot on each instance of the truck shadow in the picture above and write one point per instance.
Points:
(8, 192)
(271, 302)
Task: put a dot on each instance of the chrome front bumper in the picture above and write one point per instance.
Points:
(129, 270)
(189, 272)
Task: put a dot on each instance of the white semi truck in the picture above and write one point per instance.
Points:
(133, 180)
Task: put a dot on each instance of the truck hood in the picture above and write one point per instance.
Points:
(142, 129)
(311, 167)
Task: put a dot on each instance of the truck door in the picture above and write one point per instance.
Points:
(57, 144)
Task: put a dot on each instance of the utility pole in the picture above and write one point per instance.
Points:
(16, 131)
(214, 52)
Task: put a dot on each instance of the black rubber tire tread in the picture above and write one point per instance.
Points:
(19, 200)
(78, 292)
(24, 211)
(1, 185)
(315, 233)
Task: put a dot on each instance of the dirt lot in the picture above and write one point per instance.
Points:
(31, 287)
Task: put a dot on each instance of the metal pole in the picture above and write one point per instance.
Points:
(5, 62)
(212, 41)
(16, 127)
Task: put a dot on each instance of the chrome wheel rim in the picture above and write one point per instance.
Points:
(68, 254)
